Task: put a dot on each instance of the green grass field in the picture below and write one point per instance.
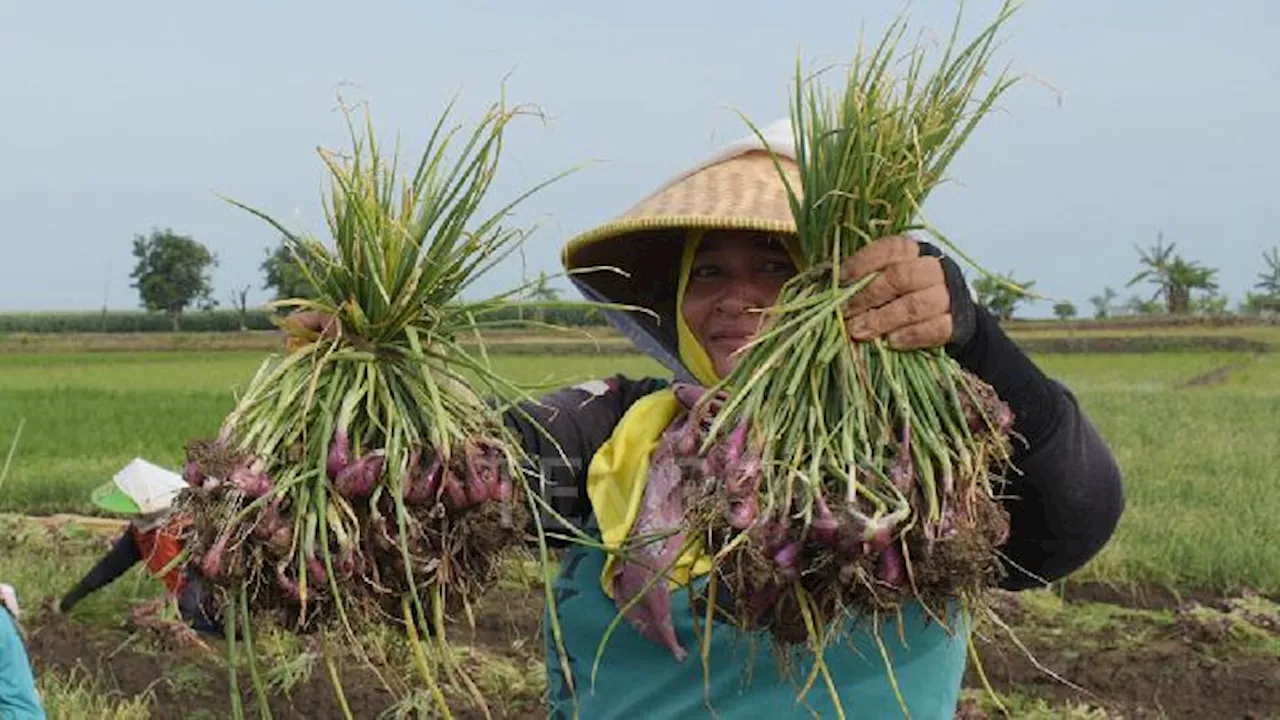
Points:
(1199, 461)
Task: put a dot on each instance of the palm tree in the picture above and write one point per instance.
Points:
(1183, 278)
(1137, 305)
(1000, 294)
(1102, 303)
(538, 292)
(1269, 281)
(1267, 299)
(1174, 276)
(541, 292)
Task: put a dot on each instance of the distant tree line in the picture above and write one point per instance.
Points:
(172, 277)
(1180, 287)
(133, 321)
(231, 320)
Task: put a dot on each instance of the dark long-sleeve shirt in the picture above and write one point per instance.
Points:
(123, 555)
(1064, 504)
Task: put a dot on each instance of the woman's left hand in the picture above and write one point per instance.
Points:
(914, 301)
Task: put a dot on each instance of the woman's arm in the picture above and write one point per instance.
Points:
(1067, 497)
(122, 556)
(561, 434)
(1067, 494)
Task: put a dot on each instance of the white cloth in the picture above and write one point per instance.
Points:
(9, 598)
(149, 485)
(777, 134)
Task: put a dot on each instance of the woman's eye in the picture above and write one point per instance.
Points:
(703, 271)
(779, 266)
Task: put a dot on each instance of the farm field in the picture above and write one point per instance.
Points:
(1176, 618)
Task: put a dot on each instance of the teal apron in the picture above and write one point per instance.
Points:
(640, 679)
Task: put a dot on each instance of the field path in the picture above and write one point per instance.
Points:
(1218, 375)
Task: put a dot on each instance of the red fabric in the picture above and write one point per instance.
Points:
(159, 547)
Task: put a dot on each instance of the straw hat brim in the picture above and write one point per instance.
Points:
(111, 498)
(634, 259)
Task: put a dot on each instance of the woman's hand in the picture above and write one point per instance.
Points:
(919, 298)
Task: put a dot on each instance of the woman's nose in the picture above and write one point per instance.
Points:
(740, 297)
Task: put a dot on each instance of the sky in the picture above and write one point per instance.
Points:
(116, 118)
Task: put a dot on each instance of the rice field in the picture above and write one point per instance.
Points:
(1200, 461)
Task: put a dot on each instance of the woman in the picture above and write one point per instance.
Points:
(704, 251)
(144, 493)
(18, 697)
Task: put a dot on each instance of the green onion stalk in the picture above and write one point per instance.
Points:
(848, 478)
(366, 475)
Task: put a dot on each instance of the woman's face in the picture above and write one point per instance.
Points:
(735, 275)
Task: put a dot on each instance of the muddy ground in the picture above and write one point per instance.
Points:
(1114, 655)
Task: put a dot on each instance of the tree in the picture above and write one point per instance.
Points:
(1064, 310)
(1137, 305)
(1102, 303)
(541, 292)
(1268, 284)
(1267, 299)
(1185, 277)
(239, 301)
(538, 292)
(996, 293)
(1259, 304)
(284, 275)
(172, 273)
(1174, 276)
(1211, 304)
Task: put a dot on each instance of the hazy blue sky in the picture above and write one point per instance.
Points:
(118, 117)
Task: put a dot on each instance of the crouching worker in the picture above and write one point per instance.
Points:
(144, 493)
(18, 697)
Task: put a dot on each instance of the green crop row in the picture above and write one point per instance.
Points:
(138, 321)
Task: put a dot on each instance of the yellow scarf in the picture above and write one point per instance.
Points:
(619, 472)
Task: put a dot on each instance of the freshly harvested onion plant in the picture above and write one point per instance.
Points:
(367, 476)
(834, 480)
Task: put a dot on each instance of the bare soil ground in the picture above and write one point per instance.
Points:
(194, 683)
(1114, 655)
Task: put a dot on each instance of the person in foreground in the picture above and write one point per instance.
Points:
(18, 697)
(705, 252)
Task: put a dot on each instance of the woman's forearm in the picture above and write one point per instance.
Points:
(122, 556)
(1065, 495)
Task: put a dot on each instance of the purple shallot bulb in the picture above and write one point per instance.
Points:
(339, 454)
(192, 474)
(742, 512)
(824, 526)
(315, 571)
(455, 498)
(736, 444)
(889, 567)
(357, 480)
(251, 480)
(688, 394)
(287, 584)
(787, 559)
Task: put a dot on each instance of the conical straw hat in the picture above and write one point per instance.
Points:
(737, 188)
(141, 488)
